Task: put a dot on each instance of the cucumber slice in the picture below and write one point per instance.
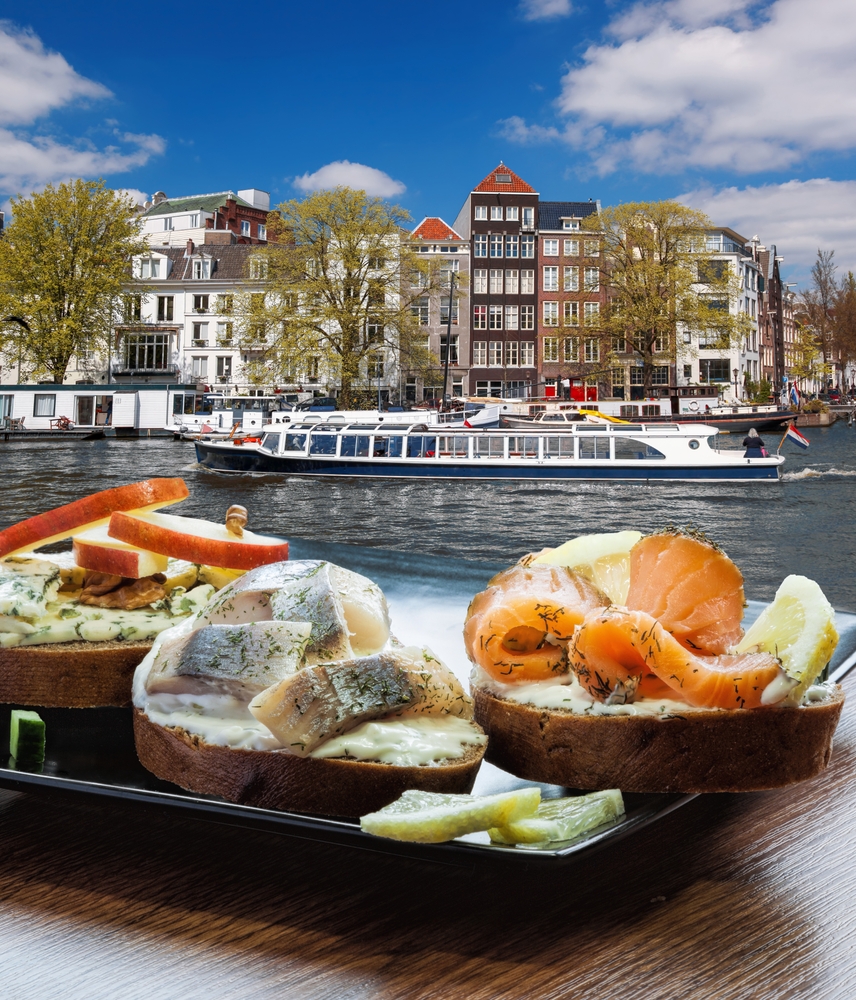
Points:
(27, 737)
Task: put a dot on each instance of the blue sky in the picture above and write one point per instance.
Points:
(744, 109)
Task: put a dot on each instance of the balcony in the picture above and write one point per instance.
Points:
(164, 371)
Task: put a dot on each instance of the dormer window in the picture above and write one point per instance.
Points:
(150, 267)
(258, 268)
(167, 225)
(570, 224)
(502, 178)
(201, 268)
(194, 221)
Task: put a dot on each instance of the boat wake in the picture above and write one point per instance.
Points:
(817, 473)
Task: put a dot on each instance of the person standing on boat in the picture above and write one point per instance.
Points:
(753, 444)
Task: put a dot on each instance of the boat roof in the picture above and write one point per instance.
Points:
(537, 430)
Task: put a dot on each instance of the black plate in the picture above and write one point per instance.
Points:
(91, 751)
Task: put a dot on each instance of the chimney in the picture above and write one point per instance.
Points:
(189, 249)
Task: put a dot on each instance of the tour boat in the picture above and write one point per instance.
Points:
(585, 451)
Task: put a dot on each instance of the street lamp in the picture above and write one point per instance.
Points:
(735, 372)
(446, 405)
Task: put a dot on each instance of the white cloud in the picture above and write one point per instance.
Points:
(712, 84)
(544, 10)
(516, 130)
(800, 217)
(33, 83)
(343, 173)
(137, 197)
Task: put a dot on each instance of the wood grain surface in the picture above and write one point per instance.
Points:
(732, 896)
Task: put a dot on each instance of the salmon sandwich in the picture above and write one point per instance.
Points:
(619, 661)
(287, 691)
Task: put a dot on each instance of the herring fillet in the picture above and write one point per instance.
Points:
(240, 660)
(314, 598)
(326, 700)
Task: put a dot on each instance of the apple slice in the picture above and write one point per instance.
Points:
(95, 549)
(88, 512)
(197, 541)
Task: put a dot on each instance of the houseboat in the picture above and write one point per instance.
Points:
(583, 451)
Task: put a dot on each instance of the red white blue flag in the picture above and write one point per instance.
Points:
(794, 435)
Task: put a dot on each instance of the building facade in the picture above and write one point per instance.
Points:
(223, 217)
(499, 219)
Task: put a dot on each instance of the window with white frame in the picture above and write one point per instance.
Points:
(453, 353)
(258, 268)
(570, 224)
(479, 317)
(165, 308)
(194, 220)
(494, 353)
(619, 345)
(572, 313)
(511, 246)
(495, 318)
(572, 279)
(551, 279)
(480, 246)
(224, 334)
(591, 313)
(550, 349)
(511, 318)
(527, 246)
(592, 350)
(496, 246)
(420, 310)
(512, 282)
(150, 267)
(571, 349)
(199, 367)
(245, 227)
(592, 248)
(480, 213)
(200, 303)
(637, 375)
(444, 312)
(527, 282)
(572, 248)
(528, 216)
(657, 346)
(551, 248)
(201, 268)
(496, 213)
(146, 352)
(617, 378)
(496, 282)
(200, 333)
(262, 229)
(225, 304)
(660, 375)
(592, 279)
(480, 352)
(224, 368)
(527, 317)
(512, 354)
(511, 213)
(551, 313)
(167, 225)
(527, 353)
(480, 281)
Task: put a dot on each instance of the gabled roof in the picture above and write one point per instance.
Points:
(515, 184)
(195, 203)
(551, 213)
(433, 228)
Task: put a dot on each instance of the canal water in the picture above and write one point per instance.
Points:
(802, 524)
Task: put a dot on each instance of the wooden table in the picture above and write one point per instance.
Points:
(733, 896)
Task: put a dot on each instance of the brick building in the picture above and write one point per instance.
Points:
(499, 219)
(224, 217)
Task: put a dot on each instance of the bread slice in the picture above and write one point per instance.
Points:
(702, 751)
(70, 674)
(272, 779)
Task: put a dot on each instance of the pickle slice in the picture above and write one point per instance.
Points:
(562, 819)
(27, 737)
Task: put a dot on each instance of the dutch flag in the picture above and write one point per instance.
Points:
(794, 435)
(795, 395)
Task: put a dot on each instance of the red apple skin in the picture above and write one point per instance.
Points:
(62, 522)
(117, 562)
(194, 548)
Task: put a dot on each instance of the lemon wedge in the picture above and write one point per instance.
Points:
(603, 559)
(562, 819)
(798, 628)
(432, 817)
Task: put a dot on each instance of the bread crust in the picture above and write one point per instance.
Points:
(70, 674)
(273, 779)
(703, 751)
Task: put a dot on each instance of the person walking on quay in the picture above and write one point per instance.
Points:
(754, 445)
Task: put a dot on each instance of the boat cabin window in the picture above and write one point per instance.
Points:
(650, 410)
(628, 449)
(629, 427)
(458, 446)
(523, 447)
(271, 442)
(489, 447)
(322, 444)
(627, 411)
(355, 445)
(295, 442)
(553, 418)
(421, 446)
(559, 447)
(594, 447)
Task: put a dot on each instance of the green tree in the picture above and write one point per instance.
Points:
(817, 303)
(844, 318)
(661, 279)
(807, 366)
(340, 284)
(63, 261)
